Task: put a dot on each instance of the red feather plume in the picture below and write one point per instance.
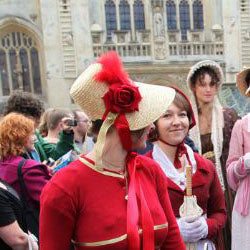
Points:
(112, 70)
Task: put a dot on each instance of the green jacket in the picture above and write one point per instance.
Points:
(55, 151)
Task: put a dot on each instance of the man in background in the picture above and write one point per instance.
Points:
(83, 142)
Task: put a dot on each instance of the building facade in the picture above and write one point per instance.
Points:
(45, 45)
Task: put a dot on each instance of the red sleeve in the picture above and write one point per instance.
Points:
(216, 208)
(35, 179)
(57, 218)
(173, 240)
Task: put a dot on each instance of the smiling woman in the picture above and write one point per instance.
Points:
(174, 125)
(174, 156)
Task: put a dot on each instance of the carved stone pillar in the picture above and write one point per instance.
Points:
(159, 37)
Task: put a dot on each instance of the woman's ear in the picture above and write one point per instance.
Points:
(153, 135)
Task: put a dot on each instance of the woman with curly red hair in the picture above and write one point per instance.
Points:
(16, 137)
(15, 129)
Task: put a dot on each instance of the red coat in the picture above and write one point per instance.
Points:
(207, 189)
(90, 207)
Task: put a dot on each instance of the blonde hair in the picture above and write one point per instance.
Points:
(43, 127)
(14, 132)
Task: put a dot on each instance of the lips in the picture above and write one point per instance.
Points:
(176, 130)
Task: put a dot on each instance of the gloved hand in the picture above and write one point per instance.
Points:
(242, 170)
(246, 159)
(193, 228)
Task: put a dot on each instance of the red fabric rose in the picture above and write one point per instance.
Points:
(122, 98)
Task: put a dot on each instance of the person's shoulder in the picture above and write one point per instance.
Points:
(71, 171)
(229, 110)
(3, 193)
(203, 163)
(70, 178)
(245, 118)
(230, 114)
(149, 164)
(31, 163)
(146, 159)
(242, 123)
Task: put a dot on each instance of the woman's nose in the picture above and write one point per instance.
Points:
(208, 87)
(176, 120)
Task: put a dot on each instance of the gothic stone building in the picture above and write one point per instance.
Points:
(45, 45)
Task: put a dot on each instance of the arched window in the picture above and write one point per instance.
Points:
(110, 13)
(19, 66)
(198, 15)
(124, 10)
(184, 19)
(171, 15)
(139, 15)
(4, 73)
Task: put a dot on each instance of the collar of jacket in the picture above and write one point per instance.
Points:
(200, 176)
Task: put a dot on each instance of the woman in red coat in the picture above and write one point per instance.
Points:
(112, 198)
(173, 156)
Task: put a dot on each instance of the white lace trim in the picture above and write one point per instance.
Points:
(216, 133)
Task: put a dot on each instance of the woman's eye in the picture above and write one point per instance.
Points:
(183, 115)
(167, 115)
(202, 84)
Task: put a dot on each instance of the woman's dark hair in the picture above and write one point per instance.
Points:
(199, 74)
(247, 79)
(24, 103)
(181, 102)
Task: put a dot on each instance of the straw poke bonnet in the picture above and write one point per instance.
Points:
(104, 91)
(217, 116)
(241, 82)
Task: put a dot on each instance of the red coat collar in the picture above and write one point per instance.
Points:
(198, 179)
(200, 176)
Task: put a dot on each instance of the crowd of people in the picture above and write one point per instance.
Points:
(152, 168)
